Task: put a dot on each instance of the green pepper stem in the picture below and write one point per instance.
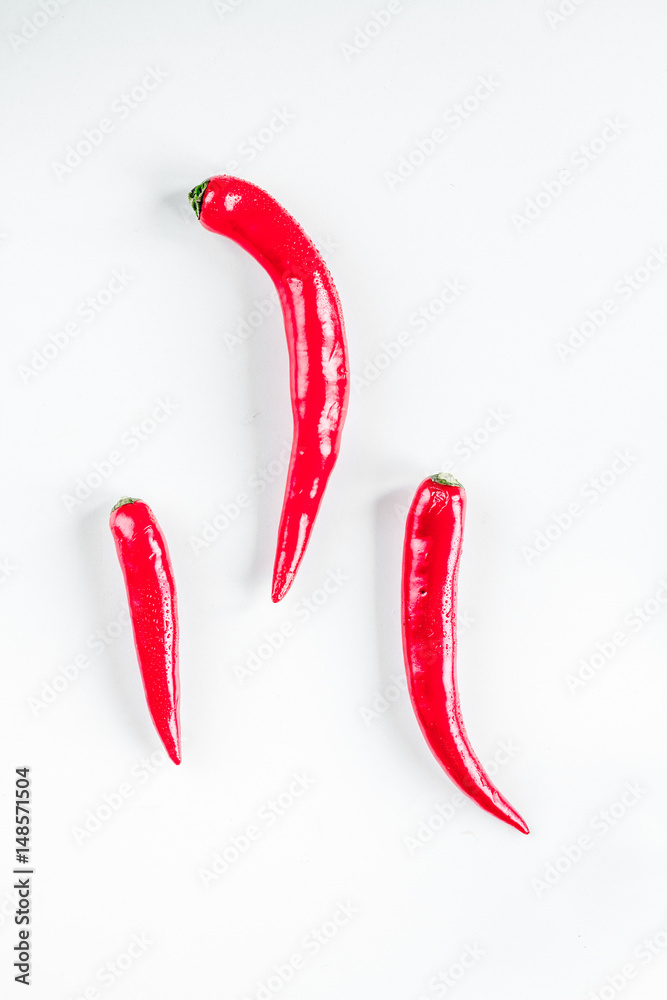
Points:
(446, 480)
(196, 196)
(123, 501)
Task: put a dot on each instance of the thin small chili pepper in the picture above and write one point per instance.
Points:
(319, 376)
(151, 593)
(433, 539)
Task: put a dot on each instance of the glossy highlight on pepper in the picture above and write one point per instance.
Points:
(431, 555)
(151, 593)
(319, 370)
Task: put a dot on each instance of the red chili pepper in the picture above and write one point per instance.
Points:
(149, 580)
(319, 377)
(433, 538)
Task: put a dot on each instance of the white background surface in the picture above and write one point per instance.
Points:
(315, 707)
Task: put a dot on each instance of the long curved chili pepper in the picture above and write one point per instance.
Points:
(151, 593)
(433, 538)
(319, 377)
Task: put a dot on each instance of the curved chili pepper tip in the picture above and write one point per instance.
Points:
(196, 196)
(123, 501)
